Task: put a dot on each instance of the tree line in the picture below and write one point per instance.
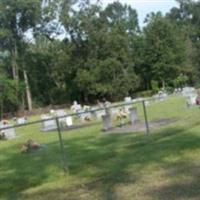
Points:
(54, 52)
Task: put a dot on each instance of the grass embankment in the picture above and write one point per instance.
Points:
(162, 165)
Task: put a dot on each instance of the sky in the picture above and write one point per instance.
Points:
(144, 7)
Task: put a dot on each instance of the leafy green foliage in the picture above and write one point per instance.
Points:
(103, 53)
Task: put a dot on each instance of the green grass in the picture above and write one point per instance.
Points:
(162, 165)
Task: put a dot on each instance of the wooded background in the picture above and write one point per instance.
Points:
(103, 53)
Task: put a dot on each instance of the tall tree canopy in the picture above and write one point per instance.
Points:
(102, 53)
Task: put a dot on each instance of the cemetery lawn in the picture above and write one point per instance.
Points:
(163, 165)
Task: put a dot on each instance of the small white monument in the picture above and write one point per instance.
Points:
(60, 114)
(191, 100)
(7, 133)
(21, 120)
(99, 114)
(48, 125)
(76, 107)
(133, 116)
(69, 121)
(114, 112)
(127, 100)
(188, 91)
(191, 95)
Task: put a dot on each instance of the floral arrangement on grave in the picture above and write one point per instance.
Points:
(29, 146)
(122, 114)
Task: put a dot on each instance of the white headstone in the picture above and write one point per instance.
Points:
(127, 100)
(86, 108)
(189, 91)
(60, 113)
(191, 100)
(99, 114)
(76, 107)
(114, 111)
(9, 133)
(69, 121)
(49, 124)
(62, 120)
(21, 120)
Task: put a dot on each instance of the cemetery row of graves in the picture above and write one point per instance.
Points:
(106, 112)
(110, 115)
(32, 153)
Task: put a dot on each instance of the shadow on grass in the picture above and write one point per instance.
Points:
(184, 182)
(22, 171)
(106, 161)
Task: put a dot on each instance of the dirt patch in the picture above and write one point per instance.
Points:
(140, 126)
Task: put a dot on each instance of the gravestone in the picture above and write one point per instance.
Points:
(8, 133)
(21, 120)
(49, 124)
(62, 120)
(76, 108)
(99, 114)
(133, 116)
(107, 122)
(69, 121)
(191, 100)
(86, 108)
(188, 91)
(191, 95)
(127, 100)
(114, 112)
(160, 96)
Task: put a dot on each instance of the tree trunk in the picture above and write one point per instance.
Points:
(163, 84)
(28, 92)
(1, 109)
(85, 97)
(14, 65)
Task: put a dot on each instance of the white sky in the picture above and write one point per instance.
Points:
(144, 7)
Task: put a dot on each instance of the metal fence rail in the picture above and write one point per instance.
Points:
(59, 128)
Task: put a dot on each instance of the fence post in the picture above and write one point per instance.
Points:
(145, 117)
(65, 167)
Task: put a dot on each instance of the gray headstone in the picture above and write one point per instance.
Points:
(69, 121)
(127, 100)
(133, 115)
(9, 133)
(48, 125)
(107, 122)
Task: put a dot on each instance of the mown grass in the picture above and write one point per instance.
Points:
(162, 165)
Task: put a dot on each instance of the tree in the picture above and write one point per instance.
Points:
(16, 18)
(187, 17)
(102, 41)
(164, 49)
